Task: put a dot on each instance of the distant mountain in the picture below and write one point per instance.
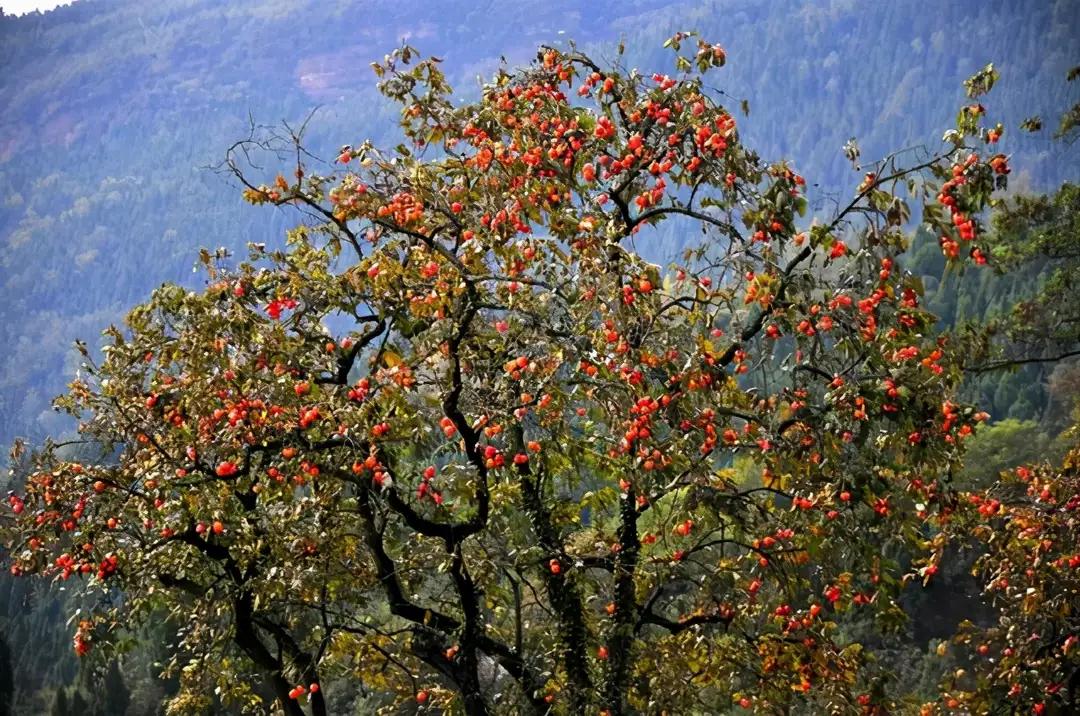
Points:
(111, 110)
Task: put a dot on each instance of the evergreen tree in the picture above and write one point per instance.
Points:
(60, 704)
(79, 706)
(117, 696)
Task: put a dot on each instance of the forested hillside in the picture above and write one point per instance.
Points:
(113, 115)
(112, 112)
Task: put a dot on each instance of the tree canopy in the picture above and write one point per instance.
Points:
(460, 443)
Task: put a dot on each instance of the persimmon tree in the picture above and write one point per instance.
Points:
(458, 441)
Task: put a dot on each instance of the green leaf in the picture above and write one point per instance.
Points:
(981, 82)
(1032, 124)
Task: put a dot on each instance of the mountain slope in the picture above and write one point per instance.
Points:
(110, 113)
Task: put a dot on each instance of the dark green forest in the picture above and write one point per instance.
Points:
(115, 114)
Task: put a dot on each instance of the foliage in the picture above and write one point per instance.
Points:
(1042, 229)
(60, 704)
(1001, 446)
(1027, 659)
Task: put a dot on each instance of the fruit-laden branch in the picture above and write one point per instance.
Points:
(661, 211)
(675, 627)
(246, 622)
(762, 315)
(470, 438)
(346, 361)
(287, 196)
